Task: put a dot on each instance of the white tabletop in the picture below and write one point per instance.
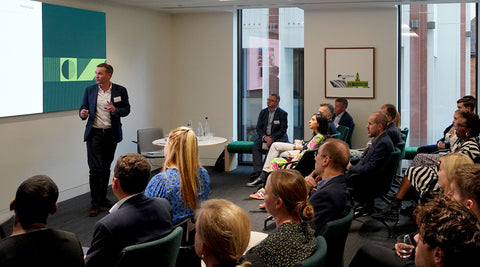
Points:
(202, 141)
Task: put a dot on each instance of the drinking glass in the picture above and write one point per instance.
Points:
(404, 246)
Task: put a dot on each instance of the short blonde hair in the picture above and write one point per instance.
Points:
(224, 229)
(451, 162)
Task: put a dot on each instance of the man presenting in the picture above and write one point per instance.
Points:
(103, 104)
(342, 117)
(272, 127)
(331, 200)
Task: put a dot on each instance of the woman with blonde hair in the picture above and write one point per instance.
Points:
(183, 181)
(293, 240)
(427, 182)
(222, 233)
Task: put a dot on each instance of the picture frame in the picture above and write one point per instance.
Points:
(350, 72)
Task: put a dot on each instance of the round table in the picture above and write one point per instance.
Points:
(202, 141)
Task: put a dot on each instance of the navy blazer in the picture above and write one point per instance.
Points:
(394, 133)
(138, 220)
(374, 157)
(330, 202)
(120, 101)
(279, 125)
(346, 120)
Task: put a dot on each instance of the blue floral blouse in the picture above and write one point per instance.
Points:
(167, 185)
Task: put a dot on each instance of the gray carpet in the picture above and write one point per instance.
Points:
(72, 214)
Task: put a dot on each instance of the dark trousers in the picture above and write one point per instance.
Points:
(100, 152)
(257, 155)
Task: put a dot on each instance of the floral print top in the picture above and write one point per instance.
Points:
(167, 185)
(314, 143)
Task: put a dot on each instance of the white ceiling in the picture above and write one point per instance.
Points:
(212, 5)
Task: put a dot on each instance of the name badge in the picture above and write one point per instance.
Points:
(117, 99)
(276, 122)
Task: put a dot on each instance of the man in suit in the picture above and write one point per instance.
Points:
(327, 110)
(31, 242)
(341, 117)
(103, 104)
(330, 199)
(134, 219)
(370, 164)
(392, 129)
(272, 127)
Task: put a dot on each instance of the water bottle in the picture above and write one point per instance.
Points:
(200, 128)
(206, 129)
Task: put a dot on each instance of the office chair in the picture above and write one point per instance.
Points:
(317, 259)
(145, 146)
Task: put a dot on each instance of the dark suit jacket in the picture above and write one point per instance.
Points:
(346, 120)
(374, 157)
(394, 133)
(120, 101)
(279, 125)
(330, 202)
(140, 219)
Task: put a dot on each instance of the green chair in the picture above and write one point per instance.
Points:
(336, 136)
(163, 251)
(317, 259)
(335, 233)
(343, 130)
(405, 132)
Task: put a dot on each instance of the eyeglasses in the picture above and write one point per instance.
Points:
(458, 125)
(271, 100)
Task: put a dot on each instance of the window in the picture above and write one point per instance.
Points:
(437, 66)
(271, 61)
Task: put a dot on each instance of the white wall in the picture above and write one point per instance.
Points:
(139, 48)
(374, 27)
(202, 74)
(178, 67)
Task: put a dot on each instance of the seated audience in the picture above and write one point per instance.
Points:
(467, 128)
(392, 129)
(448, 235)
(31, 242)
(466, 103)
(342, 117)
(465, 187)
(426, 182)
(369, 165)
(329, 198)
(293, 240)
(327, 110)
(271, 127)
(222, 233)
(280, 153)
(134, 219)
(424, 178)
(183, 181)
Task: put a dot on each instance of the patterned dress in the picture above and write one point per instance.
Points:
(424, 179)
(167, 185)
(288, 245)
(314, 143)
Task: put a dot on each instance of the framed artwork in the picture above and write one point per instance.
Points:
(350, 72)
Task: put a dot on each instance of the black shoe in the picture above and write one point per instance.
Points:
(362, 210)
(254, 175)
(390, 213)
(94, 211)
(255, 183)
